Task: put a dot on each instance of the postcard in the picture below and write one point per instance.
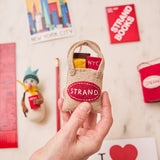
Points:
(48, 19)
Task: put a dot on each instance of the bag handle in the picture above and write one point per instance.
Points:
(91, 45)
(146, 64)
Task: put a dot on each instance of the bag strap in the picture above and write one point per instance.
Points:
(147, 64)
(91, 45)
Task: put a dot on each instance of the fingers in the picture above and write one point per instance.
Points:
(91, 121)
(78, 117)
(65, 115)
(82, 117)
(106, 120)
(82, 131)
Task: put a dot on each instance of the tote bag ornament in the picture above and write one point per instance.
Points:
(150, 80)
(84, 84)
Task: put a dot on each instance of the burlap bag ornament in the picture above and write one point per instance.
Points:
(83, 84)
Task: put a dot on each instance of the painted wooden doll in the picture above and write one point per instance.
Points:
(32, 100)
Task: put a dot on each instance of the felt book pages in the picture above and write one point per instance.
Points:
(84, 84)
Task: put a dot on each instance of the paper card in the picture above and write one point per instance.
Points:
(48, 19)
(127, 149)
(122, 23)
(31, 101)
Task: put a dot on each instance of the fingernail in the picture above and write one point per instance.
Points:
(85, 106)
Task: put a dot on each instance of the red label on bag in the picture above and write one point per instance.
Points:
(151, 82)
(122, 23)
(84, 91)
(93, 62)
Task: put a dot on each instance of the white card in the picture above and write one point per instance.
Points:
(127, 149)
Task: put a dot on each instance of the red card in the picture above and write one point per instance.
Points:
(122, 23)
(8, 106)
(31, 101)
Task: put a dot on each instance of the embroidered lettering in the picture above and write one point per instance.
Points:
(151, 82)
(84, 91)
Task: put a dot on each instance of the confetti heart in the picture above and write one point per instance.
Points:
(128, 152)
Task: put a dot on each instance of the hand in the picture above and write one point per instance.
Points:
(40, 100)
(37, 102)
(80, 135)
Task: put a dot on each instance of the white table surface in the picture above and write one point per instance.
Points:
(132, 117)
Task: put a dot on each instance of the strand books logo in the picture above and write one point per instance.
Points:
(84, 91)
(122, 23)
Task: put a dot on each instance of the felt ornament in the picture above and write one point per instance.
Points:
(83, 84)
(150, 80)
(81, 55)
(79, 59)
(79, 63)
(93, 62)
(32, 100)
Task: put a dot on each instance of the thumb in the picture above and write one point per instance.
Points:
(78, 117)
